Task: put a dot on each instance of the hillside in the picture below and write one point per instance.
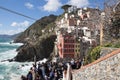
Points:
(35, 30)
(38, 40)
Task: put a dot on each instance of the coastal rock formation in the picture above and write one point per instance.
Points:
(38, 40)
(40, 50)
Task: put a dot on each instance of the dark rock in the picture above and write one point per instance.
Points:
(42, 50)
(10, 60)
(25, 53)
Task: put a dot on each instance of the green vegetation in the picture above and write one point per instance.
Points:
(37, 29)
(113, 32)
(113, 45)
(93, 55)
(117, 45)
(108, 45)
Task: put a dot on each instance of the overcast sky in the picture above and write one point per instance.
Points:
(12, 23)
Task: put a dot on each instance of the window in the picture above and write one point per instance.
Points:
(75, 45)
(76, 50)
(72, 50)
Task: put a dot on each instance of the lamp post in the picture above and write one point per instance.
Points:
(35, 57)
(101, 27)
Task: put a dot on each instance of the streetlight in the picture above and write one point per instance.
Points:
(35, 61)
(101, 28)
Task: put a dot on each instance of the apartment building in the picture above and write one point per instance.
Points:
(74, 35)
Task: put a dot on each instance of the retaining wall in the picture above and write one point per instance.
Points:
(105, 68)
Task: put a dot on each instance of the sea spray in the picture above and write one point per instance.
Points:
(11, 70)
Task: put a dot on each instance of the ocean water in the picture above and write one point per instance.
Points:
(11, 70)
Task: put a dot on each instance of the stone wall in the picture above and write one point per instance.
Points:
(105, 68)
(106, 50)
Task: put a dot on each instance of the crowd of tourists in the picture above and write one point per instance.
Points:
(52, 70)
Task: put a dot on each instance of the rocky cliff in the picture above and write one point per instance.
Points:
(38, 40)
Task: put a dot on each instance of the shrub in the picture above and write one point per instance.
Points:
(117, 45)
(108, 45)
(93, 55)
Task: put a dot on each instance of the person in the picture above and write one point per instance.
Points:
(56, 76)
(29, 76)
(51, 74)
(67, 75)
(23, 78)
(82, 62)
(39, 70)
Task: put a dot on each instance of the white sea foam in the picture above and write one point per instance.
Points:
(42, 61)
(1, 77)
(8, 54)
(9, 70)
(14, 76)
(11, 44)
(18, 44)
(13, 70)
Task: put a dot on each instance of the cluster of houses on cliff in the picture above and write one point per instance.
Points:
(77, 31)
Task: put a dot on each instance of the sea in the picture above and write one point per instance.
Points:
(11, 70)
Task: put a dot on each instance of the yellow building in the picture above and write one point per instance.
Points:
(77, 49)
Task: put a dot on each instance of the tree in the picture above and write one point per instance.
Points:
(65, 7)
(93, 55)
(115, 28)
(112, 20)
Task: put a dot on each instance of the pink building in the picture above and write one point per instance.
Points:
(66, 46)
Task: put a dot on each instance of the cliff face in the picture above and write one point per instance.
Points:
(38, 40)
